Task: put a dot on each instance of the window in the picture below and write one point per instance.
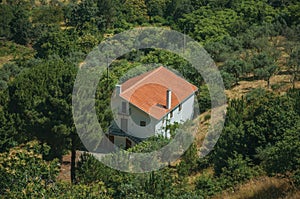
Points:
(124, 107)
(142, 123)
(180, 107)
(171, 114)
(124, 125)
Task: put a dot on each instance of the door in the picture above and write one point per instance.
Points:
(128, 143)
(111, 138)
(124, 125)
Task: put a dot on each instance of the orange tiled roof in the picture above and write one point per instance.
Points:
(148, 91)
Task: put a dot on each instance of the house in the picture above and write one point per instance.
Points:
(144, 105)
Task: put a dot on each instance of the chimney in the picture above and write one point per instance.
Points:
(118, 89)
(169, 99)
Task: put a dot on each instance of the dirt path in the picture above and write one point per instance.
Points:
(64, 174)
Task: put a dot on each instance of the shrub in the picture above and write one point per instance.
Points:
(296, 178)
(207, 186)
(238, 169)
(284, 155)
(24, 173)
(207, 117)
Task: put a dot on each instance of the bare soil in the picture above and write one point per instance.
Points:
(64, 174)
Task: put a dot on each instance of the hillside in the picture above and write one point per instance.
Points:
(255, 45)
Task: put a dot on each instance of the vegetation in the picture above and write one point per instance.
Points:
(42, 44)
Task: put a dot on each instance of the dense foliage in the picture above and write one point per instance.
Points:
(42, 43)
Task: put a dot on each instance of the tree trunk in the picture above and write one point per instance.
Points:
(294, 80)
(73, 159)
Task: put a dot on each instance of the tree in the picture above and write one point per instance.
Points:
(20, 26)
(177, 8)
(294, 65)
(255, 11)
(47, 15)
(228, 79)
(233, 42)
(253, 124)
(291, 13)
(207, 186)
(219, 51)
(8, 71)
(156, 7)
(5, 20)
(55, 42)
(237, 170)
(159, 184)
(9, 137)
(283, 156)
(188, 163)
(235, 67)
(90, 170)
(24, 173)
(109, 12)
(40, 99)
(204, 100)
(266, 73)
(264, 66)
(80, 191)
(208, 25)
(85, 11)
(135, 11)
(191, 156)
(231, 142)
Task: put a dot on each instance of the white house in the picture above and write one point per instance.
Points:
(145, 104)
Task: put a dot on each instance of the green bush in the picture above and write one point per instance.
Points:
(284, 155)
(238, 170)
(207, 186)
(296, 178)
(228, 79)
(24, 173)
(207, 117)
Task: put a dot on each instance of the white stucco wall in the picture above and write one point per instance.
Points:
(134, 128)
(133, 116)
(153, 126)
(186, 113)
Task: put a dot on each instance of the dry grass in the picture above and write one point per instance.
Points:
(280, 83)
(202, 128)
(192, 179)
(262, 188)
(5, 59)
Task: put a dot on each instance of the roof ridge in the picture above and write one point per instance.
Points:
(147, 76)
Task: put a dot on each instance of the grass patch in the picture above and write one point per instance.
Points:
(260, 188)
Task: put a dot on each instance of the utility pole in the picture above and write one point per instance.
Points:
(184, 39)
(107, 68)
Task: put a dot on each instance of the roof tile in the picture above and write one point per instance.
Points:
(148, 91)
